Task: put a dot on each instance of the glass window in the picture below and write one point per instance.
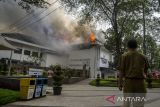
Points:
(26, 52)
(18, 51)
(35, 54)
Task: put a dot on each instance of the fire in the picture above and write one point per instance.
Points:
(92, 38)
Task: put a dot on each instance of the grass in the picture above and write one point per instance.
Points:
(112, 82)
(105, 82)
(8, 96)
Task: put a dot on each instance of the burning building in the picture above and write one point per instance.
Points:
(92, 54)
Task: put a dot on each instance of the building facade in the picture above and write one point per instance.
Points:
(95, 58)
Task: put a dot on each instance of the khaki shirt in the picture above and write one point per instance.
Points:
(133, 65)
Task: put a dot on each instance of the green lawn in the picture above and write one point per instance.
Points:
(8, 96)
(105, 82)
(113, 83)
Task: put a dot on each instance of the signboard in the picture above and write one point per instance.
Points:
(103, 63)
(35, 72)
(103, 60)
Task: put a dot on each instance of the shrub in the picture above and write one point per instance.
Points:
(68, 73)
(13, 71)
(45, 74)
(3, 69)
(156, 80)
(104, 82)
(111, 76)
(57, 76)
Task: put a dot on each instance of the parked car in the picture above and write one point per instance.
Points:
(155, 74)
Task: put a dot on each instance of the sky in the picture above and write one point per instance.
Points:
(157, 14)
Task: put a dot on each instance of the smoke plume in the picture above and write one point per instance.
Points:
(56, 30)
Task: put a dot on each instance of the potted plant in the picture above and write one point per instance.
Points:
(57, 80)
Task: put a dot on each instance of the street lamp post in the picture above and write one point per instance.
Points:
(10, 63)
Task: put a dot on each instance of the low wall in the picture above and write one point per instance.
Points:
(71, 80)
(12, 83)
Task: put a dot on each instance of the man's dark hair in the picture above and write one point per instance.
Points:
(132, 44)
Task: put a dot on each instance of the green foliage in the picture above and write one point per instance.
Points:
(57, 76)
(111, 77)
(156, 80)
(123, 16)
(45, 74)
(68, 72)
(113, 83)
(3, 69)
(105, 82)
(8, 96)
(155, 83)
(13, 71)
(28, 4)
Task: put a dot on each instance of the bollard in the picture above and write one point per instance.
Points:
(98, 80)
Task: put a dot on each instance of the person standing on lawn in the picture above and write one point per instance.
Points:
(133, 68)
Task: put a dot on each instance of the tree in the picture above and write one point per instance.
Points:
(117, 13)
(151, 48)
(148, 8)
(27, 4)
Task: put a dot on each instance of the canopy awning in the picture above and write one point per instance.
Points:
(4, 45)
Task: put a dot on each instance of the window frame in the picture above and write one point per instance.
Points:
(18, 51)
(27, 53)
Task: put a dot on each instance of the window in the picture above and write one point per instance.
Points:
(18, 51)
(35, 54)
(26, 52)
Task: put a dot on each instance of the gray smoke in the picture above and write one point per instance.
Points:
(56, 31)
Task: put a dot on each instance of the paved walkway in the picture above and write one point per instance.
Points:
(84, 95)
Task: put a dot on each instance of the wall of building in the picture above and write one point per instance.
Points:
(53, 59)
(91, 57)
(15, 56)
(20, 57)
(5, 54)
(78, 58)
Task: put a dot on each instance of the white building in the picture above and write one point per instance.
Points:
(29, 51)
(95, 57)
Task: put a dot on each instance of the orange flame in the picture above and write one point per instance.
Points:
(92, 38)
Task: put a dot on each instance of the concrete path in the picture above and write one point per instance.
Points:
(83, 95)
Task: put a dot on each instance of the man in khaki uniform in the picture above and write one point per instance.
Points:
(133, 68)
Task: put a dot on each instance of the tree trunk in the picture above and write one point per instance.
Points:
(144, 30)
(117, 36)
